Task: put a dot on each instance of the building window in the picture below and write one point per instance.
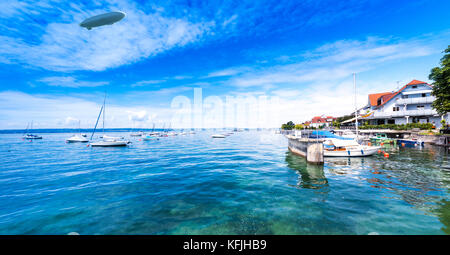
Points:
(405, 96)
(391, 121)
(414, 87)
(396, 109)
(424, 95)
(420, 107)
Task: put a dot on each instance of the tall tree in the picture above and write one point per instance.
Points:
(441, 85)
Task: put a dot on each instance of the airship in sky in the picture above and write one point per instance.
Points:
(102, 19)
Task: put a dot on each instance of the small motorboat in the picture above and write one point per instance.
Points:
(150, 138)
(140, 133)
(381, 138)
(410, 142)
(77, 139)
(218, 136)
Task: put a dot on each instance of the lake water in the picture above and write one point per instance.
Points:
(247, 183)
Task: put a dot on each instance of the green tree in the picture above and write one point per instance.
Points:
(288, 126)
(441, 85)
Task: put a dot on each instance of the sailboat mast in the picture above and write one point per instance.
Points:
(356, 106)
(104, 108)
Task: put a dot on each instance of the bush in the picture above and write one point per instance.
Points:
(421, 126)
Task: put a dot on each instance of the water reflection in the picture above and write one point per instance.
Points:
(345, 165)
(311, 176)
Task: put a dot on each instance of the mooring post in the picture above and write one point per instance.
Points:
(314, 153)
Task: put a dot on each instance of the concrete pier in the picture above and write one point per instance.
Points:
(311, 149)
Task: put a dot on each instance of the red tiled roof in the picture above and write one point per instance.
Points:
(320, 119)
(413, 82)
(373, 98)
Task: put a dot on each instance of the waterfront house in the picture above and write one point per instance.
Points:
(324, 121)
(410, 104)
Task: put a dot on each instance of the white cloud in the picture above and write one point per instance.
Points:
(70, 121)
(49, 111)
(65, 46)
(138, 116)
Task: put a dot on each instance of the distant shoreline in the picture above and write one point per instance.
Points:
(90, 130)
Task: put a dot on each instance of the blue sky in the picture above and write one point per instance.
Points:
(303, 52)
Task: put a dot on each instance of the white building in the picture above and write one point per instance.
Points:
(410, 104)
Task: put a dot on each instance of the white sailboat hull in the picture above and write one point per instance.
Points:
(109, 144)
(77, 139)
(356, 151)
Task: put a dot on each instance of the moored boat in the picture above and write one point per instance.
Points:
(334, 147)
(77, 139)
(381, 138)
(30, 136)
(410, 142)
(110, 143)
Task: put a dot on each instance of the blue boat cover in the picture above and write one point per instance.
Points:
(326, 134)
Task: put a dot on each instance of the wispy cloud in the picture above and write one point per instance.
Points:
(70, 82)
(146, 82)
(225, 72)
(334, 61)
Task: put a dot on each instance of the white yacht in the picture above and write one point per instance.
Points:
(218, 136)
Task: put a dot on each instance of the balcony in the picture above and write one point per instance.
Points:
(378, 115)
(415, 100)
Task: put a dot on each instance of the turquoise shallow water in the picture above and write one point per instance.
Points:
(247, 183)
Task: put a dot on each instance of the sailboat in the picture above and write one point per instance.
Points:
(29, 135)
(341, 146)
(152, 135)
(77, 138)
(140, 133)
(170, 131)
(108, 141)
